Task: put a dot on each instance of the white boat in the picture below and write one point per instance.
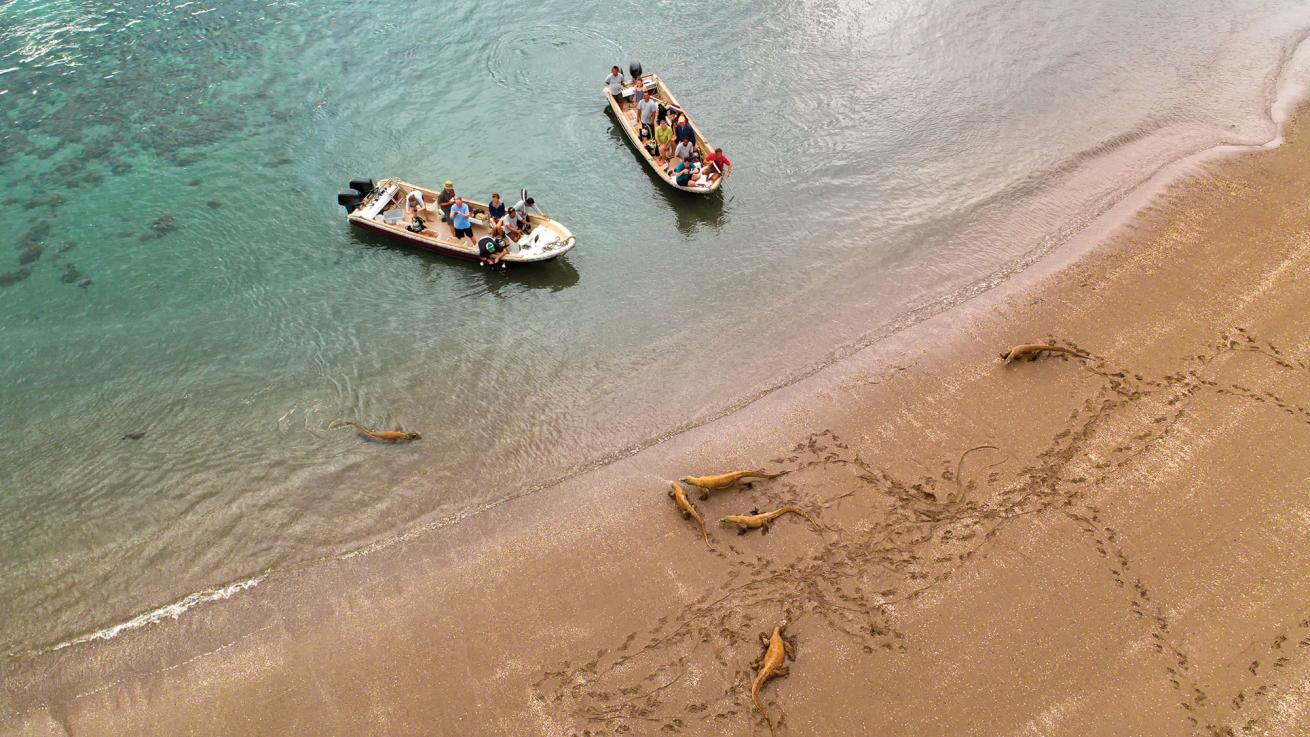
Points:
(381, 208)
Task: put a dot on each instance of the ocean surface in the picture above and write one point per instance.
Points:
(173, 263)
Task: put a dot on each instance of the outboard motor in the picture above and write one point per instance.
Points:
(349, 199)
(635, 70)
(363, 186)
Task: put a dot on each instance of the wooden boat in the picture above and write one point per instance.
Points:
(381, 208)
(627, 117)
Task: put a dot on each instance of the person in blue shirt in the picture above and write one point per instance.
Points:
(496, 216)
(686, 173)
(459, 220)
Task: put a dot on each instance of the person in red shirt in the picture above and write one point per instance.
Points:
(717, 165)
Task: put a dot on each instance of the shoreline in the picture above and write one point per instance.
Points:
(1125, 562)
(1288, 87)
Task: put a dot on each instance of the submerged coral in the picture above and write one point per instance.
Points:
(29, 255)
(162, 226)
(10, 278)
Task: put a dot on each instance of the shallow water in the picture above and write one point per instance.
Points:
(184, 158)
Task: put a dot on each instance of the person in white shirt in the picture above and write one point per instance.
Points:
(514, 225)
(648, 108)
(614, 83)
(522, 206)
(683, 151)
(416, 205)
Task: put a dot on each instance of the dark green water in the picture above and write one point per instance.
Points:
(168, 174)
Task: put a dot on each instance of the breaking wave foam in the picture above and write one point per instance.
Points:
(168, 611)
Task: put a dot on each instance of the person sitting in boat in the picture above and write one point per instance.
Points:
(684, 151)
(646, 111)
(683, 130)
(515, 226)
(686, 173)
(415, 204)
(459, 219)
(664, 139)
(444, 198)
(663, 161)
(671, 113)
(496, 216)
(717, 165)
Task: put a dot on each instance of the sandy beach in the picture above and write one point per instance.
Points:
(1112, 545)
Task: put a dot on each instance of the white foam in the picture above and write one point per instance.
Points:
(168, 611)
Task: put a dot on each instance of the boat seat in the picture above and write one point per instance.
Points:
(380, 202)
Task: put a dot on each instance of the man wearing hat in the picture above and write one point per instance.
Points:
(444, 198)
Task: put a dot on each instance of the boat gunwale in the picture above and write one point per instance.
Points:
(635, 140)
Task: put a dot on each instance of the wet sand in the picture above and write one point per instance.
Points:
(1109, 546)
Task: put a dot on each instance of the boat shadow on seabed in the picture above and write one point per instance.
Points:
(556, 275)
(693, 211)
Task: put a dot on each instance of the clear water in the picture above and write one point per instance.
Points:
(184, 157)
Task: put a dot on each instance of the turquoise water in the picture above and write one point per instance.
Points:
(168, 173)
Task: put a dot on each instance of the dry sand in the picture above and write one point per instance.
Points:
(1128, 557)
